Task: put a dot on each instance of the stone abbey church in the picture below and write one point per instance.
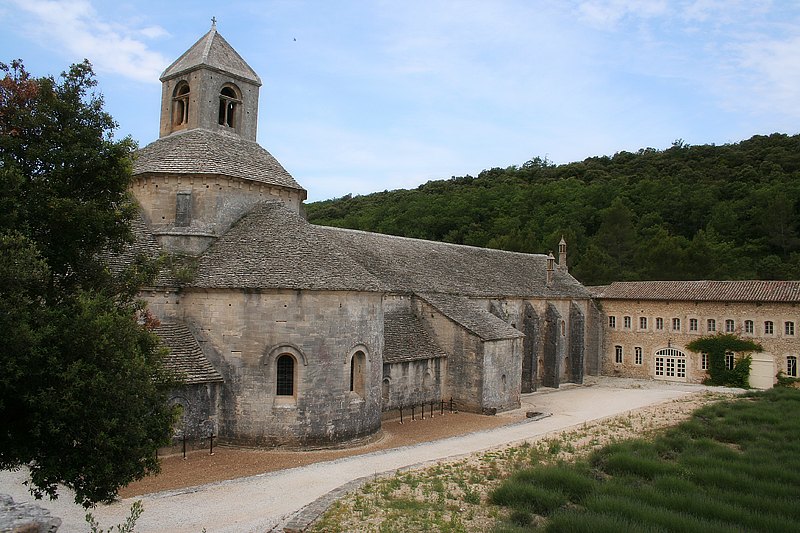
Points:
(293, 334)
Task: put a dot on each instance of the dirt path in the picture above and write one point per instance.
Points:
(230, 463)
(261, 502)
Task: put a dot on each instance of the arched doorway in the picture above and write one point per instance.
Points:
(670, 364)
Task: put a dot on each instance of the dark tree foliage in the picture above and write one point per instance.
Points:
(82, 387)
(716, 346)
(687, 212)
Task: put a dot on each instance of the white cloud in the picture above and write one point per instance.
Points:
(774, 71)
(605, 14)
(74, 26)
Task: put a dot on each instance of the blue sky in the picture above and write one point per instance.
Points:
(364, 96)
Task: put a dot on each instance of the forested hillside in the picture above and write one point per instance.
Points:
(687, 212)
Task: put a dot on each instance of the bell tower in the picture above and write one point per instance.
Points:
(210, 87)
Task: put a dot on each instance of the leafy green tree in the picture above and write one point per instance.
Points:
(687, 212)
(82, 386)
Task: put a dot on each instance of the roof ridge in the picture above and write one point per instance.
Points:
(443, 243)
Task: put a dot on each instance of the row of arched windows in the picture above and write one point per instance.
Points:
(286, 374)
(229, 102)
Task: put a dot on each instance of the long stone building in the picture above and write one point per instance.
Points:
(648, 324)
(294, 334)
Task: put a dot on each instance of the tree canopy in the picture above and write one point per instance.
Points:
(686, 212)
(82, 386)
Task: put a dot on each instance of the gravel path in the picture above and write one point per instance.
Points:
(262, 502)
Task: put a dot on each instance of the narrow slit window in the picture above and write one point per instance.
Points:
(285, 375)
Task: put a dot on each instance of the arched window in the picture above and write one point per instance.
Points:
(670, 363)
(180, 104)
(358, 371)
(228, 107)
(284, 384)
(385, 389)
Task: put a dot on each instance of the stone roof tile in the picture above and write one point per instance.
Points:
(472, 317)
(405, 338)
(185, 356)
(704, 291)
(420, 266)
(273, 247)
(212, 51)
(199, 151)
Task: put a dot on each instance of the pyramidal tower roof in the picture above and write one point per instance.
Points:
(212, 51)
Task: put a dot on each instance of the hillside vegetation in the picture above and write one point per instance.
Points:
(687, 212)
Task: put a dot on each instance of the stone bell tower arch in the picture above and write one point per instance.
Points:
(210, 87)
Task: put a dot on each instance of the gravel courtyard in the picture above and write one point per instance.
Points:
(244, 490)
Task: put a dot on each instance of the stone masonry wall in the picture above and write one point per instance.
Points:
(502, 375)
(413, 383)
(216, 202)
(320, 329)
(778, 345)
(204, 89)
(465, 357)
(577, 344)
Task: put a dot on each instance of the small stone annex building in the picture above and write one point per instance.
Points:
(649, 323)
(294, 334)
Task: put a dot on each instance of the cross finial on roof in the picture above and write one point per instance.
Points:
(213, 23)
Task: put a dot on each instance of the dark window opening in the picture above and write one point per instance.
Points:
(357, 372)
(227, 107)
(180, 105)
(285, 375)
(183, 209)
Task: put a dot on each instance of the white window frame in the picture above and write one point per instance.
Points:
(670, 364)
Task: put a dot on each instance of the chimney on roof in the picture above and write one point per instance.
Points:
(551, 267)
(562, 255)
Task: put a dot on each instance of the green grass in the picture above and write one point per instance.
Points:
(731, 467)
